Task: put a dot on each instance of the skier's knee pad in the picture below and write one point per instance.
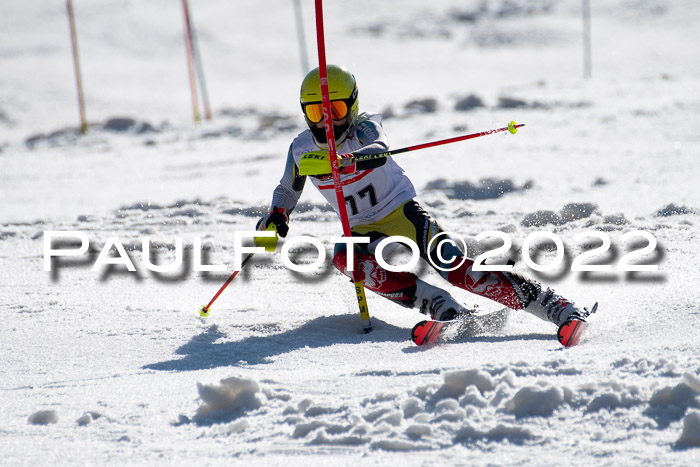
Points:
(340, 257)
(375, 277)
(340, 260)
(452, 257)
(339, 248)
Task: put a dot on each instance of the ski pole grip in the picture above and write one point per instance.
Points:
(347, 161)
(269, 243)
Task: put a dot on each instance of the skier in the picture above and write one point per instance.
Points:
(379, 200)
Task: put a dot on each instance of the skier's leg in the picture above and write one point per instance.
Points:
(399, 287)
(514, 291)
(510, 289)
(402, 288)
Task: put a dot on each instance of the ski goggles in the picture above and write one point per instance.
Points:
(314, 110)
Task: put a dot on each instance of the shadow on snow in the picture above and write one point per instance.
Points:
(203, 351)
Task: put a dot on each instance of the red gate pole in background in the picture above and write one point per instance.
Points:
(189, 50)
(76, 62)
(192, 33)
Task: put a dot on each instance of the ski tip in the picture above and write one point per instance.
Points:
(417, 333)
(569, 333)
(426, 332)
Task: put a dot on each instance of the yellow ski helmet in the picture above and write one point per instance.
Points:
(342, 90)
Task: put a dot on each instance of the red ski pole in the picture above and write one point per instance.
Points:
(330, 138)
(270, 244)
(346, 161)
(204, 311)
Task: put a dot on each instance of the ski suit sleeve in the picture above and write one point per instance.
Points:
(288, 191)
(374, 141)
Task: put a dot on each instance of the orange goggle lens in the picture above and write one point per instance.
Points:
(314, 112)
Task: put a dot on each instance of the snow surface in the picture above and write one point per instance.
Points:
(117, 367)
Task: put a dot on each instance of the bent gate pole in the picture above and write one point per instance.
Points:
(330, 138)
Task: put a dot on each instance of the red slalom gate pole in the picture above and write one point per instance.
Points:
(337, 185)
(76, 63)
(189, 50)
(301, 38)
(192, 32)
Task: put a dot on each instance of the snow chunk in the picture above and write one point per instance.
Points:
(505, 102)
(418, 430)
(412, 406)
(233, 394)
(513, 434)
(615, 219)
(276, 395)
(446, 406)
(43, 417)
(5, 235)
(473, 397)
(233, 428)
(501, 393)
(576, 211)
(303, 429)
(448, 410)
(427, 105)
(508, 378)
(127, 124)
(487, 188)
(611, 401)
(315, 411)
(376, 414)
(451, 416)
(304, 405)
(670, 404)
(84, 420)
(693, 381)
(61, 137)
(397, 445)
(472, 101)
(690, 437)
(541, 218)
(456, 383)
(534, 401)
(322, 439)
(87, 418)
(393, 419)
(673, 210)
(569, 213)
(680, 395)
